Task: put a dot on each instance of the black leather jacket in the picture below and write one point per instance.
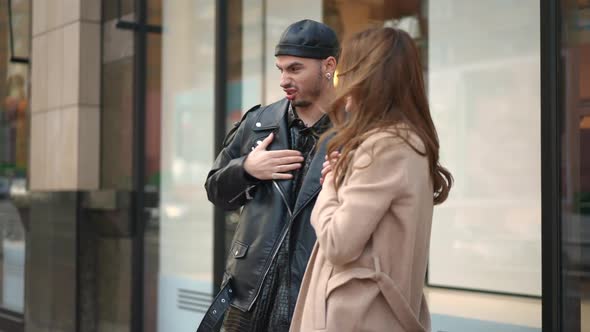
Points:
(266, 215)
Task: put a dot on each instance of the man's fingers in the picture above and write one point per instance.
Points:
(284, 153)
(288, 168)
(265, 143)
(281, 176)
(289, 160)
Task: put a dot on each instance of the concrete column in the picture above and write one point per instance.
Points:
(65, 95)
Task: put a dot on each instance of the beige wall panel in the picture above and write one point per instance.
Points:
(55, 70)
(62, 149)
(71, 70)
(55, 14)
(39, 16)
(65, 149)
(71, 11)
(65, 95)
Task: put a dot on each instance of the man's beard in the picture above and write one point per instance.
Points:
(315, 92)
(301, 103)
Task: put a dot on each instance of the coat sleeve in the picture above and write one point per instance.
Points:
(228, 185)
(344, 220)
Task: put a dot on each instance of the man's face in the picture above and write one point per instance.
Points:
(301, 79)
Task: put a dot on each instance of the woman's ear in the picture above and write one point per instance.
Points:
(348, 104)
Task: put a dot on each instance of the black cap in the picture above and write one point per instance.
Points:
(308, 39)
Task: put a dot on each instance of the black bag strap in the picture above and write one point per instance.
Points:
(214, 315)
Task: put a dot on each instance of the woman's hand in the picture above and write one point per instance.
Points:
(327, 166)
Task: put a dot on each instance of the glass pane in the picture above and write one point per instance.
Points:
(484, 82)
(14, 108)
(246, 67)
(185, 278)
(576, 166)
(21, 26)
(117, 136)
(110, 215)
(117, 108)
(52, 267)
(112, 9)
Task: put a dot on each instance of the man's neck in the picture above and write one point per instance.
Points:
(309, 115)
(314, 112)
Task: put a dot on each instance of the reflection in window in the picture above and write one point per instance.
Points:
(13, 155)
(575, 172)
(117, 106)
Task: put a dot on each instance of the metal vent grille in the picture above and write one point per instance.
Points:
(194, 301)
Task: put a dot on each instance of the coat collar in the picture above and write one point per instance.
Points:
(272, 116)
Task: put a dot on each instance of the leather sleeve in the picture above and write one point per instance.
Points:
(228, 185)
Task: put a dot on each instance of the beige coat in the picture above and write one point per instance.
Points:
(367, 269)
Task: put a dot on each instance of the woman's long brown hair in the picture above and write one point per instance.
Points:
(380, 72)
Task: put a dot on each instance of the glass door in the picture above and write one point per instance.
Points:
(180, 142)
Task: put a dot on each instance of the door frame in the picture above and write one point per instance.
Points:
(551, 101)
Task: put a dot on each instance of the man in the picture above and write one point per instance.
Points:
(270, 167)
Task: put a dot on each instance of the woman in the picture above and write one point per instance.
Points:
(374, 213)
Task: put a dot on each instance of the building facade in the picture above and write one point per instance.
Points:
(112, 111)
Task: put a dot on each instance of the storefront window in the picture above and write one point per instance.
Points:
(14, 108)
(484, 89)
(185, 255)
(483, 81)
(473, 81)
(111, 224)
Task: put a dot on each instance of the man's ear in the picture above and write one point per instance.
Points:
(329, 64)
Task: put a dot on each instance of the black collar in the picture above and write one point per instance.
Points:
(317, 129)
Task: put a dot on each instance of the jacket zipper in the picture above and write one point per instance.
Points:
(241, 193)
(283, 197)
(276, 250)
